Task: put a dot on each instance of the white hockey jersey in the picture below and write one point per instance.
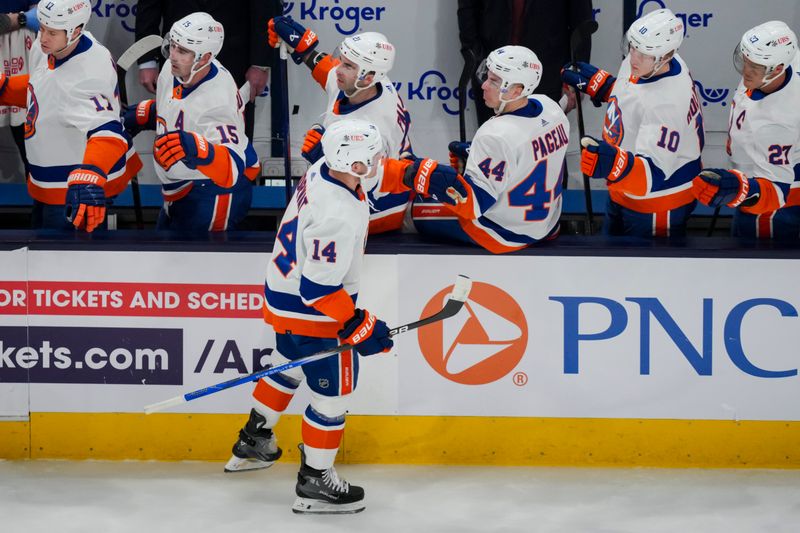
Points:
(316, 261)
(69, 100)
(660, 121)
(764, 140)
(211, 108)
(387, 111)
(515, 168)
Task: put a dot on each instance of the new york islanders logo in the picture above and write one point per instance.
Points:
(33, 114)
(613, 129)
(481, 344)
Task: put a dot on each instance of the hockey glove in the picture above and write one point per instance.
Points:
(366, 333)
(443, 183)
(295, 35)
(140, 117)
(717, 186)
(312, 147)
(587, 78)
(85, 205)
(191, 148)
(32, 21)
(602, 160)
(459, 153)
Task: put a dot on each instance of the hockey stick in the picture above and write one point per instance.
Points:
(287, 147)
(713, 223)
(579, 35)
(124, 63)
(463, 82)
(453, 305)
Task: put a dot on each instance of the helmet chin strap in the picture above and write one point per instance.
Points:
(193, 72)
(358, 89)
(766, 80)
(70, 42)
(660, 62)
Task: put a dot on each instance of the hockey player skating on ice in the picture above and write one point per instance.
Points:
(764, 139)
(79, 155)
(653, 130)
(509, 195)
(311, 285)
(203, 157)
(357, 86)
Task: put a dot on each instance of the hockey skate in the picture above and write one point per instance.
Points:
(256, 448)
(323, 492)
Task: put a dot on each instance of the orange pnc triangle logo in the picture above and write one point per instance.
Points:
(482, 343)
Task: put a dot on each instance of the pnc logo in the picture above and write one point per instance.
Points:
(481, 344)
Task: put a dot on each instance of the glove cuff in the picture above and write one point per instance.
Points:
(744, 189)
(145, 111)
(87, 175)
(418, 177)
(359, 328)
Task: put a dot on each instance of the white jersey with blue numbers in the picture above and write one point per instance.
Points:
(318, 252)
(764, 137)
(212, 109)
(387, 111)
(515, 167)
(659, 120)
(70, 100)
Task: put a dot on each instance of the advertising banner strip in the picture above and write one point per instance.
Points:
(141, 356)
(191, 300)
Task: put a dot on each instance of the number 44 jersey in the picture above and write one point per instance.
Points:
(515, 167)
(314, 272)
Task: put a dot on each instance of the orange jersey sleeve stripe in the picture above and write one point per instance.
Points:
(296, 326)
(484, 239)
(16, 92)
(794, 197)
(321, 70)
(273, 398)
(767, 202)
(104, 152)
(320, 438)
(337, 305)
(635, 183)
(117, 185)
(653, 205)
(388, 223)
(253, 172)
(393, 171)
(220, 169)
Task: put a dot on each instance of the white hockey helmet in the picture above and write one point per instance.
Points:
(352, 141)
(655, 34)
(198, 32)
(513, 65)
(64, 15)
(372, 52)
(770, 44)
